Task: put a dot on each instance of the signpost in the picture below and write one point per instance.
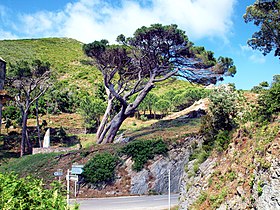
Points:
(77, 169)
(58, 173)
(73, 175)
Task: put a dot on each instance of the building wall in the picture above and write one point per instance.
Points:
(2, 73)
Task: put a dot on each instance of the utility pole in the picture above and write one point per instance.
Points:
(169, 201)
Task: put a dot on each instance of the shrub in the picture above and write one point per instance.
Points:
(101, 168)
(222, 140)
(29, 193)
(143, 150)
(269, 102)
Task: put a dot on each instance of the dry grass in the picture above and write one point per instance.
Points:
(64, 120)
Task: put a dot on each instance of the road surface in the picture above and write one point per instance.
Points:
(153, 202)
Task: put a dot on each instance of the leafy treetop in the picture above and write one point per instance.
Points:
(266, 15)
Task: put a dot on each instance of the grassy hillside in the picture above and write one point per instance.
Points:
(65, 55)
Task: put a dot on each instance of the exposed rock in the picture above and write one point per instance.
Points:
(269, 182)
(193, 184)
(154, 177)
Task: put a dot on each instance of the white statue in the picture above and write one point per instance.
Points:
(47, 138)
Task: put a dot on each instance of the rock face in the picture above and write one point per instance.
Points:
(193, 184)
(245, 176)
(269, 182)
(154, 177)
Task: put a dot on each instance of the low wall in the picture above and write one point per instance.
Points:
(52, 149)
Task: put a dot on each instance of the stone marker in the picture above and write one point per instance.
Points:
(46, 142)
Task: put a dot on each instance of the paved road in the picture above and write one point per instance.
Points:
(155, 202)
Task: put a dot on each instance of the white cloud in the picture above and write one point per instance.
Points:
(6, 35)
(253, 55)
(257, 58)
(88, 20)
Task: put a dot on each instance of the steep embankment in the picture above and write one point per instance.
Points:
(245, 176)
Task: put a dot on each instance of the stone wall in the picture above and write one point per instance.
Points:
(52, 149)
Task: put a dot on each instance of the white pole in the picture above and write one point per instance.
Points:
(169, 202)
(68, 185)
(75, 189)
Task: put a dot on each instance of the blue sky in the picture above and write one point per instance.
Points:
(217, 24)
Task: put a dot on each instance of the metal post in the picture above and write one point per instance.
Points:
(68, 186)
(75, 189)
(169, 202)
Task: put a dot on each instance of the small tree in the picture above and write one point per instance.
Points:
(269, 102)
(28, 82)
(223, 109)
(153, 54)
(91, 109)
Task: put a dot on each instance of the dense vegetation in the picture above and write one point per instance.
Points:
(100, 168)
(143, 150)
(29, 193)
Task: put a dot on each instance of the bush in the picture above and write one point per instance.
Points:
(222, 140)
(101, 168)
(143, 150)
(29, 193)
(269, 102)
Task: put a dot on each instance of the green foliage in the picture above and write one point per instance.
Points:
(265, 16)
(217, 200)
(29, 193)
(221, 119)
(163, 106)
(148, 104)
(222, 140)
(100, 168)
(11, 112)
(203, 196)
(91, 109)
(269, 102)
(260, 187)
(223, 108)
(143, 150)
(62, 98)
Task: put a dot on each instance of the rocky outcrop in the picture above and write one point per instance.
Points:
(193, 184)
(154, 177)
(245, 176)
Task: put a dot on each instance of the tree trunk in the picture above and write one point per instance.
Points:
(104, 121)
(1, 107)
(23, 133)
(38, 124)
(115, 125)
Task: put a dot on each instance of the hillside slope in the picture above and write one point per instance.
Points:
(245, 176)
(65, 55)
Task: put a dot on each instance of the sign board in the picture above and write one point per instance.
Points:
(74, 178)
(77, 169)
(58, 173)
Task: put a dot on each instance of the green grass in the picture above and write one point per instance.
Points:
(65, 55)
(30, 164)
